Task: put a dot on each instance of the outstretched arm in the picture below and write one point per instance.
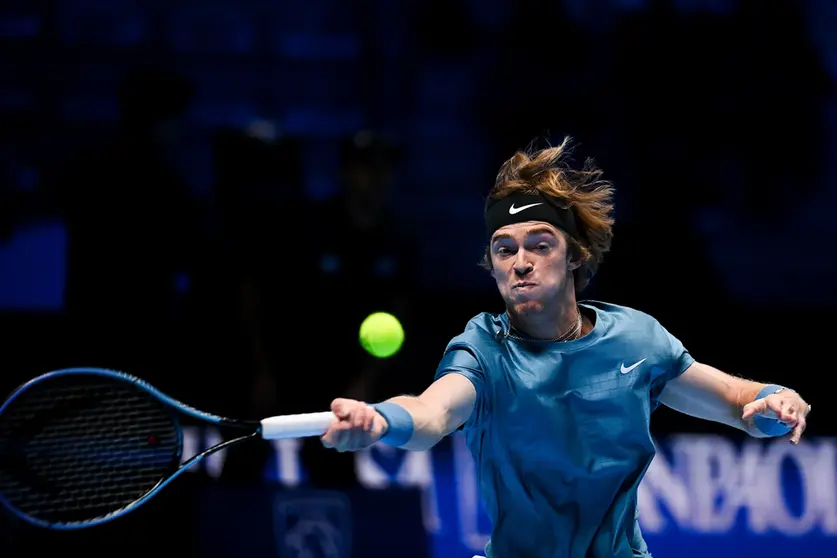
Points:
(441, 409)
(705, 392)
(412, 423)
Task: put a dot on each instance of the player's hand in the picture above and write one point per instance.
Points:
(358, 426)
(785, 406)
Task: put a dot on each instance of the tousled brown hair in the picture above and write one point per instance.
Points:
(590, 198)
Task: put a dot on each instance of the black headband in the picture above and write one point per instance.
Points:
(519, 208)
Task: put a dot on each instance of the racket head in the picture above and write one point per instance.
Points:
(83, 446)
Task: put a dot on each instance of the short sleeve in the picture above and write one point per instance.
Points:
(462, 361)
(681, 360)
(676, 360)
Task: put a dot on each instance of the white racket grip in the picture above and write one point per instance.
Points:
(296, 426)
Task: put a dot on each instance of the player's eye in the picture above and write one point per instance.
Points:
(543, 247)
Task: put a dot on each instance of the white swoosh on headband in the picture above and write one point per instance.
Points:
(515, 210)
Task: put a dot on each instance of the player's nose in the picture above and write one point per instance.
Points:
(522, 267)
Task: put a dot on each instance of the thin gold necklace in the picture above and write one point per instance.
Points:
(572, 332)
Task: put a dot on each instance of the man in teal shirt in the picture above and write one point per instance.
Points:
(556, 395)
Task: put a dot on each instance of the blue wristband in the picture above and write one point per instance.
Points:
(399, 423)
(770, 426)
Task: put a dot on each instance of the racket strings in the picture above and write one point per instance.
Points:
(77, 450)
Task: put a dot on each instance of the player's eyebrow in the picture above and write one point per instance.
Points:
(531, 232)
(541, 230)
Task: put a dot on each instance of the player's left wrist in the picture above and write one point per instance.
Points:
(768, 422)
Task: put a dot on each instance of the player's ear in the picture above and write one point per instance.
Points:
(573, 259)
(486, 263)
(573, 256)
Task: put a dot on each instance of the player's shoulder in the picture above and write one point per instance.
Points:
(480, 332)
(619, 313)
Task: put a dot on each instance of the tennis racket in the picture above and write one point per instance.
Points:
(83, 446)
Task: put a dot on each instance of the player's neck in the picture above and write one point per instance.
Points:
(552, 322)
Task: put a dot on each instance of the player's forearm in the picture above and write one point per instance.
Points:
(429, 423)
(748, 390)
(418, 423)
(705, 392)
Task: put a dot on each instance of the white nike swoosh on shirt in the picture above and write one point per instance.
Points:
(515, 210)
(624, 370)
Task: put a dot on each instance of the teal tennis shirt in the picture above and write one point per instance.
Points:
(560, 431)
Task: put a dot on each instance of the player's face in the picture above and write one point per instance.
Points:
(530, 264)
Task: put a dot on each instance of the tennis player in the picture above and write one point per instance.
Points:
(556, 395)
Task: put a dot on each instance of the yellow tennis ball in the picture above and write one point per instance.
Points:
(381, 334)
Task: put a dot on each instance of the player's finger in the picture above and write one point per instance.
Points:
(789, 415)
(363, 427)
(362, 417)
(354, 439)
(341, 407)
(754, 408)
(781, 409)
(369, 423)
(775, 404)
(334, 437)
(342, 437)
(328, 438)
(796, 435)
(359, 416)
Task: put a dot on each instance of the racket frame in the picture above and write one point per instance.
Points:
(172, 405)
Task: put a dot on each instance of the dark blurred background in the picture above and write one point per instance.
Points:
(213, 195)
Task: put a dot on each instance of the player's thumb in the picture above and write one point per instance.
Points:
(342, 407)
(752, 408)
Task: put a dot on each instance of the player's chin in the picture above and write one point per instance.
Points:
(525, 305)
